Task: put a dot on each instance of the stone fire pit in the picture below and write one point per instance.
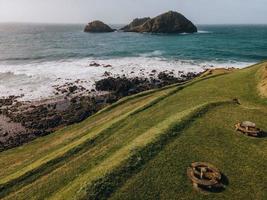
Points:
(204, 175)
(249, 129)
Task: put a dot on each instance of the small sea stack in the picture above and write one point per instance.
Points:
(169, 22)
(97, 27)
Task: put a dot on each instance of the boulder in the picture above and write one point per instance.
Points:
(170, 22)
(97, 27)
(135, 23)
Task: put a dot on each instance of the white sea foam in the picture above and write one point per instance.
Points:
(153, 54)
(202, 31)
(36, 80)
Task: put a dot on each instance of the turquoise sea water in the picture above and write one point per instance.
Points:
(29, 42)
(33, 57)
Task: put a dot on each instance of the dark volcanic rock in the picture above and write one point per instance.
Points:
(97, 27)
(170, 22)
(94, 64)
(167, 78)
(27, 122)
(135, 23)
(73, 88)
(120, 86)
(8, 101)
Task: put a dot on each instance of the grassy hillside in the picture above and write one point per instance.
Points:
(262, 86)
(140, 147)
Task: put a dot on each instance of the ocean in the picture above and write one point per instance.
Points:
(36, 57)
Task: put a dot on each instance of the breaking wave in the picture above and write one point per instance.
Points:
(36, 80)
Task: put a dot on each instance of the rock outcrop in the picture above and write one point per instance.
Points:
(97, 27)
(135, 23)
(170, 22)
(122, 86)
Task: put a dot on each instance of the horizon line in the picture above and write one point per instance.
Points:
(76, 23)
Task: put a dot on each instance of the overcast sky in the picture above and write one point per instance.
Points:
(122, 11)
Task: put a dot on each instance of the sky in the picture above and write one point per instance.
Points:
(123, 11)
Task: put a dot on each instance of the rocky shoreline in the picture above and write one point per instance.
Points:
(24, 121)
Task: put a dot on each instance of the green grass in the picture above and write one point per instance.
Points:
(140, 147)
(241, 159)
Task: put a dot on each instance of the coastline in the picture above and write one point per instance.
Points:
(52, 83)
(22, 120)
(37, 80)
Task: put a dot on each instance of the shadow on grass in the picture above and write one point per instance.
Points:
(105, 186)
(220, 188)
(263, 134)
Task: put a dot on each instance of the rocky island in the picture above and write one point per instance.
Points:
(97, 27)
(135, 23)
(170, 22)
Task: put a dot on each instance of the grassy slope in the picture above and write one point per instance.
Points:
(145, 143)
(262, 86)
